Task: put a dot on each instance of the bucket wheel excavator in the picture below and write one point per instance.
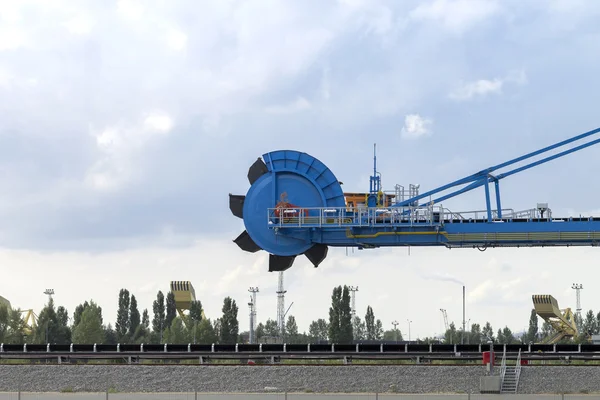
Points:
(295, 206)
(563, 321)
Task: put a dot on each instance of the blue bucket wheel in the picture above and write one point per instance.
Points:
(293, 176)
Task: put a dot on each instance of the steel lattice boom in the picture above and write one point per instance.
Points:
(295, 205)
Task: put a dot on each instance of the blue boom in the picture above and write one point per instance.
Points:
(295, 205)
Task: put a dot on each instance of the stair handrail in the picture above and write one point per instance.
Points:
(517, 370)
(503, 366)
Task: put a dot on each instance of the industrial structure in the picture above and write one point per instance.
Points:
(296, 206)
(578, 287)
(29, 320)
(185, 296)
(353, 290)
(252, 305)
(280, 305)
(562, 321)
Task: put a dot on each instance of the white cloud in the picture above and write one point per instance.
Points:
(456, 15)
(484, 87)
(80, 25)
(481, 87)
(158, 122)
(300, 104)
(120, 146)
(177, 39)
(130, 9)
(416, 126)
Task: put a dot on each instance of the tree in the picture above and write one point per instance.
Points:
(63, 332)
(89, 329)
(378, 330)
(487, 333)
(229, 321)
(171, 309)
(547, 330)
(505, 336)
(271, 328)
(359, 331)
(340, 317)
(196, 311)
(122, 322)
(176, 333)
(134, 317)
(259, 332)
(145, 319)
(590, 325)
(393, 335)
(451, 336)
(205, 332)
(319, 330)
(370, 323)
(291, 329)
(475, 336)
(158, 322)
(4, 322)
(47, 329)
(532, 332)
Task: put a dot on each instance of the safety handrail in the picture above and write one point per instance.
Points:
(518, 367)
(503, 366)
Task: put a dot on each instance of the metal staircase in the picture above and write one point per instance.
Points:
(510, 375)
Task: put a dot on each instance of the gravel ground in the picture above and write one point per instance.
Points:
(341, 379)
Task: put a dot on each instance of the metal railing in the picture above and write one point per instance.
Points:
(433, 215)
(355, 216)
(517, 370)
(503, 366)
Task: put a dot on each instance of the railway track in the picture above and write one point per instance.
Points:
(299, 353)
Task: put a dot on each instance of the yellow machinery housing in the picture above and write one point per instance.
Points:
(185, 295)
(562, 321)
(30, 319)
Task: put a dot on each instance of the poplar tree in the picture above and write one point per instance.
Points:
(122, 322)
(229, 326)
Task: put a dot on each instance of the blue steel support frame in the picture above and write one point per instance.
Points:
(498, 205)
(484, 177)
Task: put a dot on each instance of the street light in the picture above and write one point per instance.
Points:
(409, 321)
(395, 323)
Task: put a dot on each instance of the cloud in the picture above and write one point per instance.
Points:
(416, 126)
(484, 87)
(457, 16)
(443, 278)
(300, 104)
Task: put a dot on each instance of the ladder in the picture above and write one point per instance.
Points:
(510, 375)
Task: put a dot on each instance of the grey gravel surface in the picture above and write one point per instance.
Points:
(340, 379)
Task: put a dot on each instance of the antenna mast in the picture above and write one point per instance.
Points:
(578, 287)
(280, 305)
(252, 305)
(353, 290)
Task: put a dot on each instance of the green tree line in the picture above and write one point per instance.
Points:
(54, 325)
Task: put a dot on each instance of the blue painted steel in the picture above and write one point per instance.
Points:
(306, 181)
(475, 233)
(480, 178)
(313, 188)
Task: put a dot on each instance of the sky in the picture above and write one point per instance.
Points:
(124, 125)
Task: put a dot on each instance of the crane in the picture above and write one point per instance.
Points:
(296, 206)
(445, 319)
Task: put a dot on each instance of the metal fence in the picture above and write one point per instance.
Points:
(284, 396)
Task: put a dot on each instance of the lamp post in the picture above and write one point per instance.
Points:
(395, 323)
(409, 321)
